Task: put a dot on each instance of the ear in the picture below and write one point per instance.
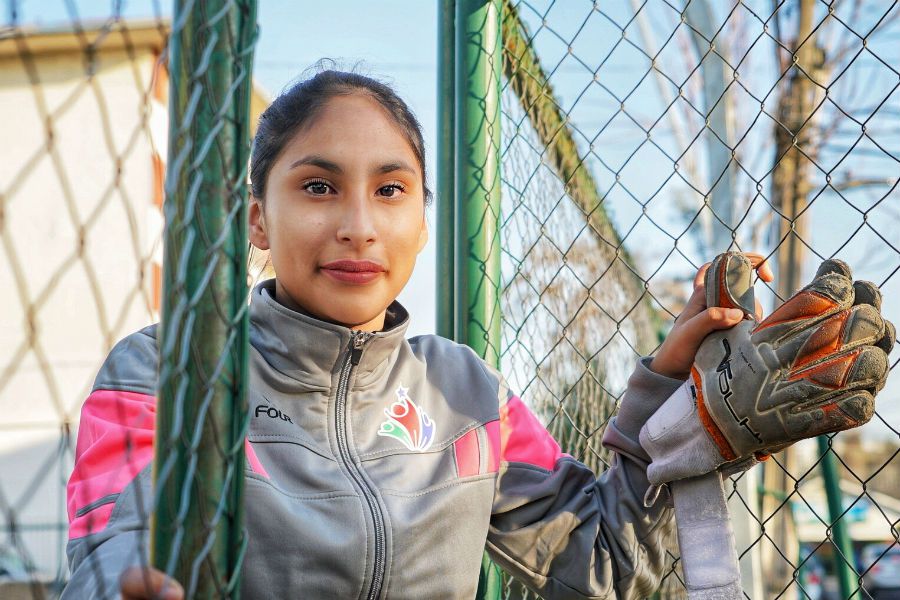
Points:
(423, 235)
(259, 237)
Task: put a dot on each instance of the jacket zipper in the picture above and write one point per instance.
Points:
(357, 341)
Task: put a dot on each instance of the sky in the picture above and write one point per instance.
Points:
(394, 40)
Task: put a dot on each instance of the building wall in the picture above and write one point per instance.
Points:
(80, 234)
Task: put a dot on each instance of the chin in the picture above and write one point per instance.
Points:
(351, 317)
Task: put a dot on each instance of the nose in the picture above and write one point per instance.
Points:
(357, 221)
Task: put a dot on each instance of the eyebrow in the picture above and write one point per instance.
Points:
(395, 166)
(317, 161)
(321, 162)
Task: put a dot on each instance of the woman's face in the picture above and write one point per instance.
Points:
(344, 214)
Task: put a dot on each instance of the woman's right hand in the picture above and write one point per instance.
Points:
(147, 583)
(675, 356)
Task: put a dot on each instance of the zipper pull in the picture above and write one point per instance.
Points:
(359, 340)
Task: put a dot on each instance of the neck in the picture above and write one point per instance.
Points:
(306, 348)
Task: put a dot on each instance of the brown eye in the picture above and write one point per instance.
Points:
(390, 191)
(317, 188)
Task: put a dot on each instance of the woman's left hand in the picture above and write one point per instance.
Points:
(676, 354)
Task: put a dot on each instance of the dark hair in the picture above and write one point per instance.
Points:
(301, 103)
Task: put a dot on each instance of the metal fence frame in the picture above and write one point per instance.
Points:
(197, 529)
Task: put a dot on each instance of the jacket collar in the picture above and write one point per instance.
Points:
(310, 350)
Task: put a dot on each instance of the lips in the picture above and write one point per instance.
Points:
(353, 271)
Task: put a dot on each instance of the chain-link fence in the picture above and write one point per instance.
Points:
(636, 139)
(197, 527)
(84, 107)
(83, 111)
(639, 139)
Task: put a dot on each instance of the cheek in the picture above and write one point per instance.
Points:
(403, 233)
(299, 237)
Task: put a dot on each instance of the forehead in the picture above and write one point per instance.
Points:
(353, 128)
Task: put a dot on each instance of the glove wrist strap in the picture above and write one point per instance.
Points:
(708, 422)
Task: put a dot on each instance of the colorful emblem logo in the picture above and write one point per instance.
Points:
(408, 423)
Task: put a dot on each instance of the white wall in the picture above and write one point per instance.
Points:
(55, 192)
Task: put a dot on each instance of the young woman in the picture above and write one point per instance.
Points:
(378, 466)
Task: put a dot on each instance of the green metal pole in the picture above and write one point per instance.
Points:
(197, 532)
(446, 172)
(847, 577)
(476, 189)
(478, 67)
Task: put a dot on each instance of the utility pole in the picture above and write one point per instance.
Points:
(795, 153)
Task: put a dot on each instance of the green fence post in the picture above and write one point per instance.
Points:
(445, 226)
(843, 547)
(468, 219)
(197, 525)
(477, 185)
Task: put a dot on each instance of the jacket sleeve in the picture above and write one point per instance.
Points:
(565, 533)
(108, 495)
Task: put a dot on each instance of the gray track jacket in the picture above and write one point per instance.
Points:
(377, 467)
